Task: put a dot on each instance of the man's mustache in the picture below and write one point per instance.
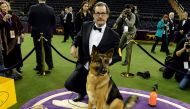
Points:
(100, 20)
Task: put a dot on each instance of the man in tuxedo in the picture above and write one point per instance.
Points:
(171, 27)
(42, 20)
(92, 33)
(69, 25)
(72, 28)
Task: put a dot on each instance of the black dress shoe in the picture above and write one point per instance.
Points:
(37, 68)
(50, 68)
(78, 98)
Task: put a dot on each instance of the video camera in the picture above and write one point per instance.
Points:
(126, 11)
(187, 45)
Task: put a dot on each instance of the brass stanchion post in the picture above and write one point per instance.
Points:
(129, 61)
(43, 71)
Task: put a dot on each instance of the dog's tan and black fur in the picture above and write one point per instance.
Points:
(101, 90)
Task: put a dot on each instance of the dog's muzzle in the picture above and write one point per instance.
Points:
(101, 70)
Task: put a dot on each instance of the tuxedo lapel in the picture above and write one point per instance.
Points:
(105, 37)
(88, 31)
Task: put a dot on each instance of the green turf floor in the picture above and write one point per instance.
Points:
(33, 85)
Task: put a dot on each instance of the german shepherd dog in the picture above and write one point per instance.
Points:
(102, 91)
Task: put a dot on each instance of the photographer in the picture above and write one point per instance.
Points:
(180, 61)
(127, 18)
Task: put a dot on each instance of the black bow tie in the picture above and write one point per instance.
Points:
(96, 28)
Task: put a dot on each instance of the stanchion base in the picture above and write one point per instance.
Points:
(43, 73)
(127, 75)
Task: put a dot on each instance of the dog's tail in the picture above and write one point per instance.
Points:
(131, 101)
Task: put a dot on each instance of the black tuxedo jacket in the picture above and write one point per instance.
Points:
(109, 40)
(171, 27)
(68, 24)
(184, 27)
(42, 20)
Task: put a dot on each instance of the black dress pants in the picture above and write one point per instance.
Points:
(47, 50)
(77, 80)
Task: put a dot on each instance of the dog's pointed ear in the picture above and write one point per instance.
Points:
(94, 50)
(110, 52)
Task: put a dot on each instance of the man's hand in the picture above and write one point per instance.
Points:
(74, 52)
(124, 15)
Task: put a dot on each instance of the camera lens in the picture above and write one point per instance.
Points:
(188, 46)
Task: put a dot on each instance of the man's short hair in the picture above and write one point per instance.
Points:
(101, 4)
(128, 6)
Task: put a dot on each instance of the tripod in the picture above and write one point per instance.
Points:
(42, 71)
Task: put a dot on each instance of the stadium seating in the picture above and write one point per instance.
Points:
(150, 11)
(185, 4)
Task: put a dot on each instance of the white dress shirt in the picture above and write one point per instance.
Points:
(183, 22)
(94, 39)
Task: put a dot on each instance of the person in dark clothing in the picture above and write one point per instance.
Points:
(83, 15)
(11, 31)
(96, 33)
(181, 58)
(172, 27)
(42, 19)
(68, 25)
(170, 32)
(1, 62)
(162, 33)
(183, 27)
(72, 24)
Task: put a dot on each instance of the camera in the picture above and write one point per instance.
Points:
(187, 45)
(126, 11)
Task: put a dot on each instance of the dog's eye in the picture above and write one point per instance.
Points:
(98, 60)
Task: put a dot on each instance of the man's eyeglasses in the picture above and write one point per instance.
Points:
(102, 14)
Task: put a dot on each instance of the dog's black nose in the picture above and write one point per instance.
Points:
(101, 70)
(104, 71)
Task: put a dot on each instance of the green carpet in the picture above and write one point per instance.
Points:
(33, 85)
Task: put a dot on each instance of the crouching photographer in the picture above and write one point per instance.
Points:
(181, 62)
